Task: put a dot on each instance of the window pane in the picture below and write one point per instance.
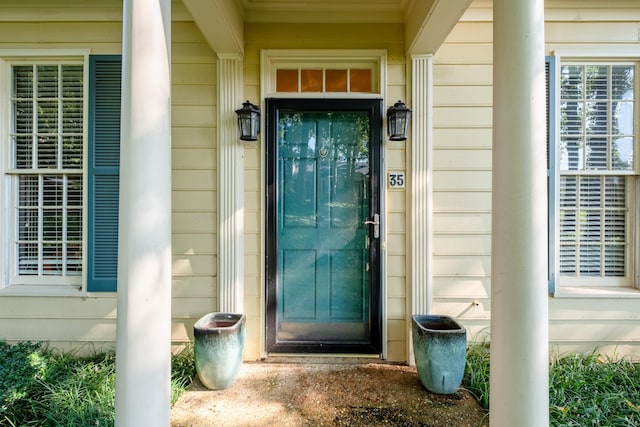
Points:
(23, 81)
(615, 226)
(590, 191)
(614, 261)
(52, 224)
(28, 259)
(47, 151)
(23, 111)
(622, 77)
(590, 260)
(571, 120)
(590, 226)
(571, 154)
(571, 82)
(72, 86)
(623, 118)
(52, 259)
(52, 194)
(47, 116)
(23, 151)
(311, 80)
(28, 191)
(28, 224)
(568, 191)
(47, 81)
(72, 117)
(74, 225)
(622, 153)
(287, 80)
(336, 81)
(567, 260)
(74, 190)
(597, 114)
(74, 259)
(360, 80)
(615, 192)
(72, 152)
(597, 153)
(597, 81)
(568, 226)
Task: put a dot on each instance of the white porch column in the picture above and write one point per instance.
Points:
(421, 188)
(519, 306)
(143, 343)
(230, 186)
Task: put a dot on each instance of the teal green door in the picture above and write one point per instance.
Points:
(323, 291)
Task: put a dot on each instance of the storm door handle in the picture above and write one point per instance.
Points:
(376, 225)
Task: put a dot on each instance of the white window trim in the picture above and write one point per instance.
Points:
(28, 285)
(611, 288)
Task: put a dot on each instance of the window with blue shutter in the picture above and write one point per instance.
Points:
(103, 172)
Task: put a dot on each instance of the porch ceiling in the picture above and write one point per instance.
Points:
(427, 22)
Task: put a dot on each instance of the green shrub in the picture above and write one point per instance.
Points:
(40, 387)
(23, 367)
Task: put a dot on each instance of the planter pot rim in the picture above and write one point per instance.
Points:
(219, 321)
(426, 323)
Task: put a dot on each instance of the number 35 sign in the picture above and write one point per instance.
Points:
(396, 180)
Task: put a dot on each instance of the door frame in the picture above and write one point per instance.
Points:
(375, 108)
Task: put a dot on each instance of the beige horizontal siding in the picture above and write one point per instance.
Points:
(460, 200)
(462, 180)
(465, 159)
(194, 159)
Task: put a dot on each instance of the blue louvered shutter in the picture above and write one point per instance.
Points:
(103, 172)
(552, 184)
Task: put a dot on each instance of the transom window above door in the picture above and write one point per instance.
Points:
(323, 72)
(324, 80)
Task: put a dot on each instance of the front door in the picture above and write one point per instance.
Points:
(323, 284)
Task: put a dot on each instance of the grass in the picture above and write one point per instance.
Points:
(584, 389)
(41, 387)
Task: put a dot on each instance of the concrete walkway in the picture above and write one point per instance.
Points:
(338, 393)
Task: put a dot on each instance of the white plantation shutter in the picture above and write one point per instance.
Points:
(616, 218)
(593, 226)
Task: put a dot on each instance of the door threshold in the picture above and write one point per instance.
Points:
(318, 358)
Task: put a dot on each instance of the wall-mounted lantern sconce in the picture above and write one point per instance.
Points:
(398, 121)
(248, 121)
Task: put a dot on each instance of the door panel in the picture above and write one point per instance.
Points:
(322, 266)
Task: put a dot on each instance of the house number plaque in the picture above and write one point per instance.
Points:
(396, 180)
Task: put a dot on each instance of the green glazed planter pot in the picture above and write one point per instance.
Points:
(440, 350)
(218, 348)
